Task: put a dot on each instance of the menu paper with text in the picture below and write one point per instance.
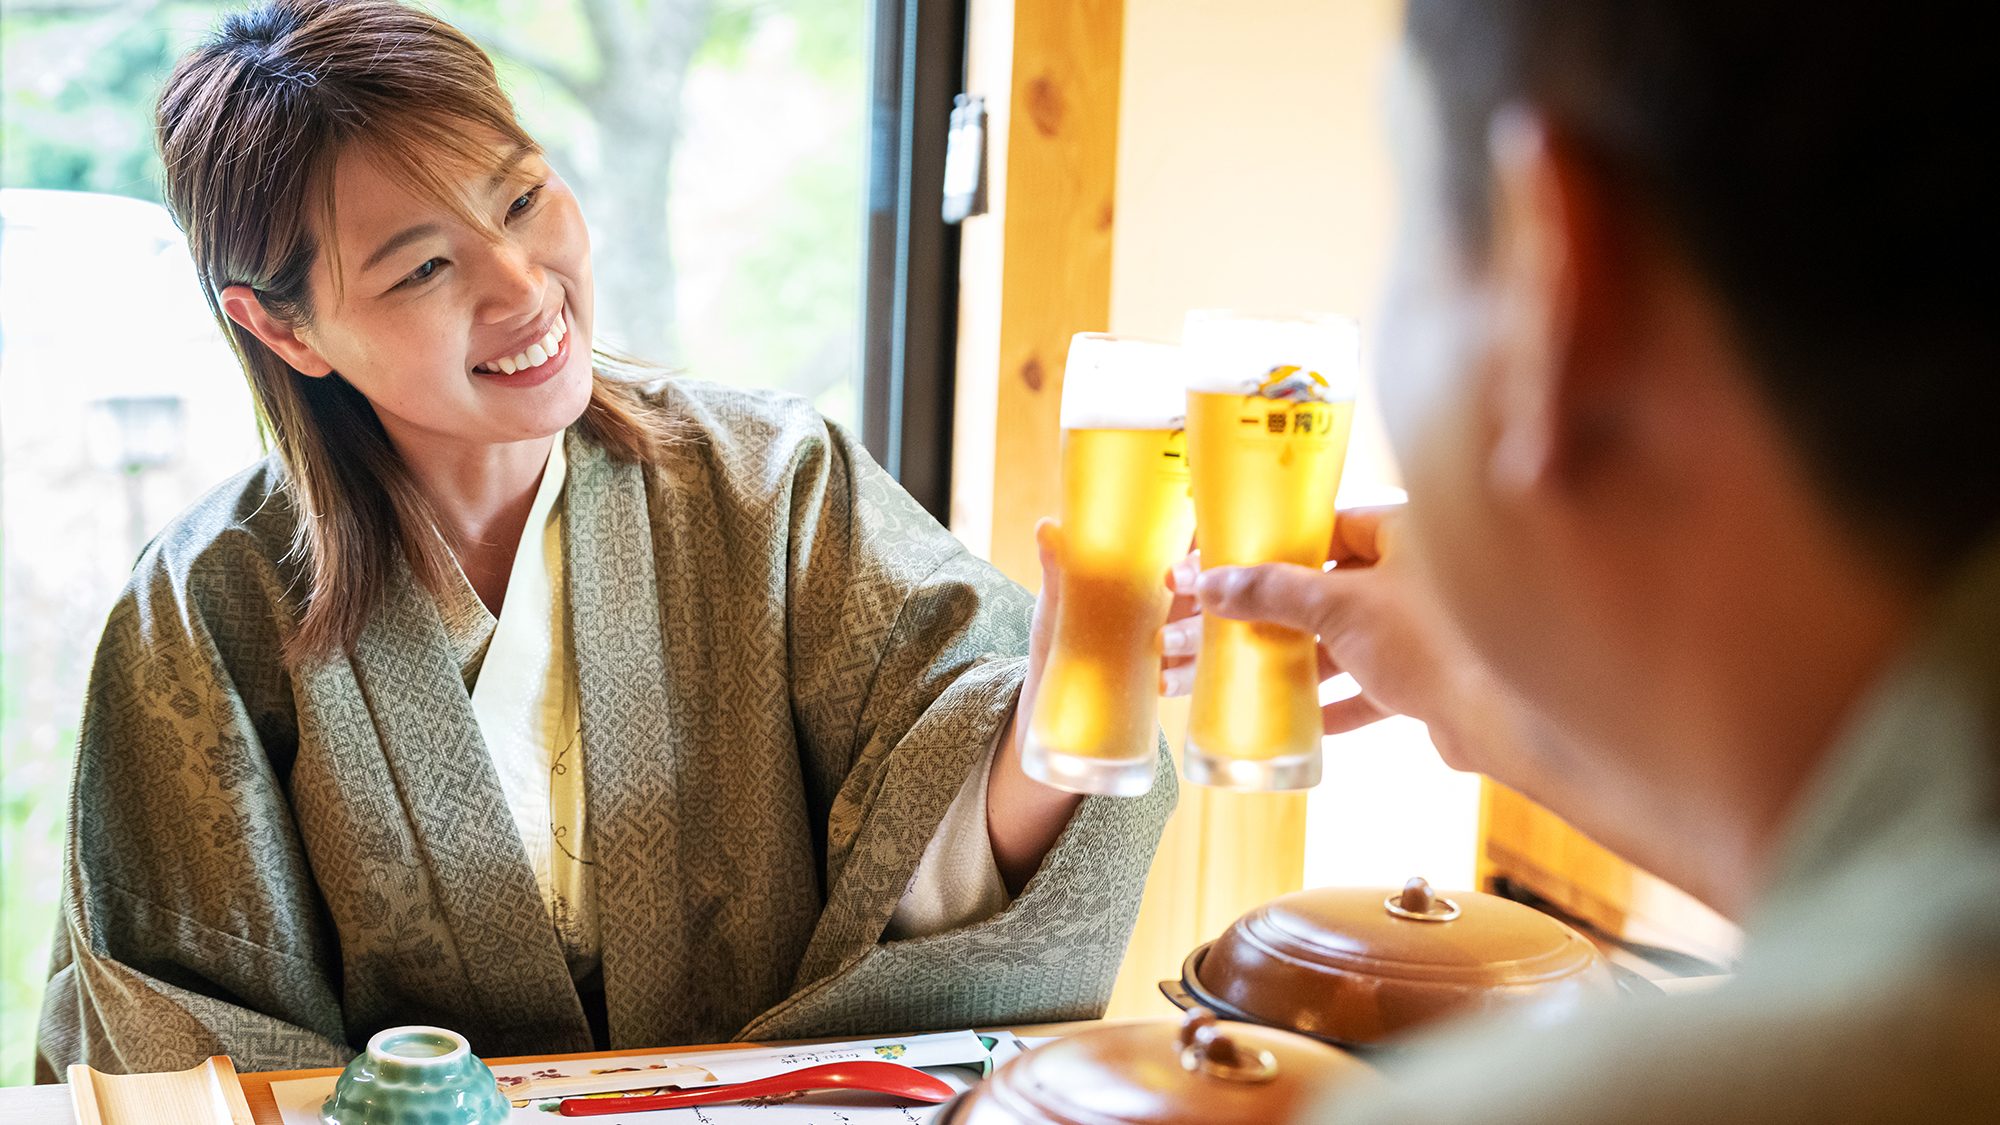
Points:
(958, 1057)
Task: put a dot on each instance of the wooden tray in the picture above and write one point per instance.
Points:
(207, 1095)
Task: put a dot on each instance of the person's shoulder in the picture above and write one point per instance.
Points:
(241, 528)
(755, 435)
(1916, 1041)
(731, 414)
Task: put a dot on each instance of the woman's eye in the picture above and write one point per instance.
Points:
(421, 273)
(526, 200)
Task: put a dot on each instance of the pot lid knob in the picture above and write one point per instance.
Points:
(1419, 903)
(1207, 1049)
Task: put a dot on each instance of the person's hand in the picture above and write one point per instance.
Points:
(1371, 623)
(1177, 664)
(1024, 816)
(1377, 620)
(1042, 630)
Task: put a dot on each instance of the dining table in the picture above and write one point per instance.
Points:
(51, 1105)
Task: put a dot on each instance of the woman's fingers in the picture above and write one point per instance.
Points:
(1041, 632)
(1048, 543)
(1181, 580)
(1180, 641)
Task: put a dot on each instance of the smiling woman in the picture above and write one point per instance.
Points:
(268, 154)
(515, 692)
(453, 330)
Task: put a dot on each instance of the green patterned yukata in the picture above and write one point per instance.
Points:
(786, 670)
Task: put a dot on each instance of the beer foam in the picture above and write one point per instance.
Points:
(1236, 353)
(1116, 383)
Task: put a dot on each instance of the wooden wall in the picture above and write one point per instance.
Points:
(1036, 269)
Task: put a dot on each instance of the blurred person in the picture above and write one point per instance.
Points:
(1688, 355)
(518, 691)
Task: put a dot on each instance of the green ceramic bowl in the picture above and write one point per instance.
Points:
(416, 1076)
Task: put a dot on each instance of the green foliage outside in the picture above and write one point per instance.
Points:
(77, 83)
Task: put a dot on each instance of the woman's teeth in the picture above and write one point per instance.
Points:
(537, 354)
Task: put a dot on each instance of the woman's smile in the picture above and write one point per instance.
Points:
(534, 362)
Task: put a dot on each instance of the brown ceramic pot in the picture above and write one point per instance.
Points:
(1359, 967)
(1159, 1072)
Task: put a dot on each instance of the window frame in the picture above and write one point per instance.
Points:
(909, 306)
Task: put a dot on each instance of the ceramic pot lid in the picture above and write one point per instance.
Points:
(1160, 1072)
(1358, 966)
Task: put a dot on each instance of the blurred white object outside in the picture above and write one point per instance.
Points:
(1389, 807)
(102, 321)
(119, 405)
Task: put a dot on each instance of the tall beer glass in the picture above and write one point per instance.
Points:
(1126, 518)
(1270, 401)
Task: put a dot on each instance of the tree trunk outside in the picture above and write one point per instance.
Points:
(636, 106)
(631, 246)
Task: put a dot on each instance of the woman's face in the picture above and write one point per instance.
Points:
(461, 336)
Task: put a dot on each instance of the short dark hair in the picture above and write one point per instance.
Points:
(1828, 166)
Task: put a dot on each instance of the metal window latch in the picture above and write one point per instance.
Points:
(965, 160)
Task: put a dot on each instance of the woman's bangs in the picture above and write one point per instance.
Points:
(435, 156)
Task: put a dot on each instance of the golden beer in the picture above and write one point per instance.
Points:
(1126, 519)
(1265, 466)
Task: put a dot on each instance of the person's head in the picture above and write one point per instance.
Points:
(1819, 166)
(1687, 351)
(380, 240)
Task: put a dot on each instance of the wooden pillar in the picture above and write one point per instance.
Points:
(1034, 271)
(1055, 263)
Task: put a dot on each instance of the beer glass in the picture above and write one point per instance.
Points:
(1126, 519)
(1270, 401)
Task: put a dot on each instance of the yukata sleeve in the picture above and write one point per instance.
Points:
(910, 653)
(189, 924)
(958, 881)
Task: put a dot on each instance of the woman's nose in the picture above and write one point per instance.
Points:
(513, 286)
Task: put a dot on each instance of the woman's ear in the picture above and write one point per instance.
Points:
(240, 304)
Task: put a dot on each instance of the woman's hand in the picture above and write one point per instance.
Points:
(1024, 816)
(1180, 639)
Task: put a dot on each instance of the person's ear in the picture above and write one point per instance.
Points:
(1558, 303)
(240, 304)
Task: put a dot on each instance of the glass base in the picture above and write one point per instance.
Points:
(1251, 775)
(1109, 777)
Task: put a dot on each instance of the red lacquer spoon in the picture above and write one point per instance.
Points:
(875, 1077)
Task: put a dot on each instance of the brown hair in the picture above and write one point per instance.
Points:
(250, 125)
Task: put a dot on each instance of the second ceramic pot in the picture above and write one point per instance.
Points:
(1196, 1071)
(1358, 967)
